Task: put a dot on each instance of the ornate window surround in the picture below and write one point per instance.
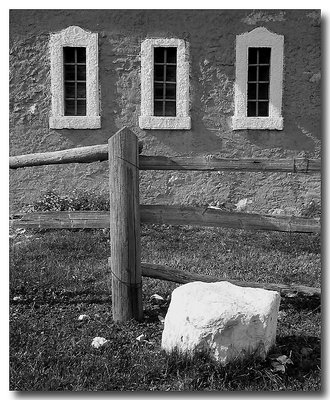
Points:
(259, 37)
(74, 36)
(182, 119)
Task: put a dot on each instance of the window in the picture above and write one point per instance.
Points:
(74, 80)
(164, 85)
(258, 82)
(258, 86)
(165, 81)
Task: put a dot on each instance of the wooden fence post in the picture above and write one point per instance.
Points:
(125, 259)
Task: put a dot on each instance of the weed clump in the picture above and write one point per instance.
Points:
(78, 200)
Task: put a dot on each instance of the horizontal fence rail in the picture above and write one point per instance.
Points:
(212, 163)
(209, 216)
(61, 220)
(171, 215)
(195, 163)
(166, 273)
(86, 154)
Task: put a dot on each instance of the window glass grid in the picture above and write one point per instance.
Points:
(74, 81)
(165, 81)
(258, 81)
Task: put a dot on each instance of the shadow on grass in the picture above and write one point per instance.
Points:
(202, 372)
(291, 242)
(304, 351)
(74, 297)
(301, 302)
(286, 242)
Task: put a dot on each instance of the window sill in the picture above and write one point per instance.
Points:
(80, 122)
(151, 122)
(257, 123)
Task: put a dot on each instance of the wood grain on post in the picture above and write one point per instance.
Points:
(125, 226)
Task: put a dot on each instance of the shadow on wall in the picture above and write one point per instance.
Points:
(297, 136)
(300, 134)
(201, 140)
(292, 138)
(194, 141)
(83, 137)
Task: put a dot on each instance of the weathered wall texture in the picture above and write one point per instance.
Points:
(211, 38)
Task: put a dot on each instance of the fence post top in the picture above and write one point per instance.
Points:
(123, 132)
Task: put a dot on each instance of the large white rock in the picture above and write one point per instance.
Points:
(227, 320)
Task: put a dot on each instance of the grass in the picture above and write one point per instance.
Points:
(55, 276)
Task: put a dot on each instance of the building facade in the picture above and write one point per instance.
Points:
(225, 83)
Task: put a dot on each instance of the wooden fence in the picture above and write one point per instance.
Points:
(126, 215)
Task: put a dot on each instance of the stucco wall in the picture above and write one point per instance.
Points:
(211, 38)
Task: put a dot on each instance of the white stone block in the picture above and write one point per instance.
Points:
(227, 320)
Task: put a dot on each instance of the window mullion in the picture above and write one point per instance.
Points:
(164, 82)
(75, 82)
(257, 84)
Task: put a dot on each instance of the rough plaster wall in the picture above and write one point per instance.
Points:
(211, 36)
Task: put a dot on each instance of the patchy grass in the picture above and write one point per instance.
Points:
(55, 276)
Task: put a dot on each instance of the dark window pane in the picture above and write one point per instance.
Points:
(165, 73)
(171, 73)
(264, 55)
(252, 73)
(159, 73)
(81, 72)
(170, 91)
(171, 55)
(252, 109)
(69, 107)
(81, 90)
(81, 54)
(158, 108)
(159, 54)
(68, 54)
(69, 72)
(253, 55)
(170, 109)
(263, 91)
(252, 91)
(158, 91)
(259, 73)
(69, 91)
(263, 108)
(264, 73)
(81, 107)
(73, 89)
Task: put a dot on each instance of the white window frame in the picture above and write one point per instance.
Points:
(259, 37)
(74, 36)
(147, 120)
